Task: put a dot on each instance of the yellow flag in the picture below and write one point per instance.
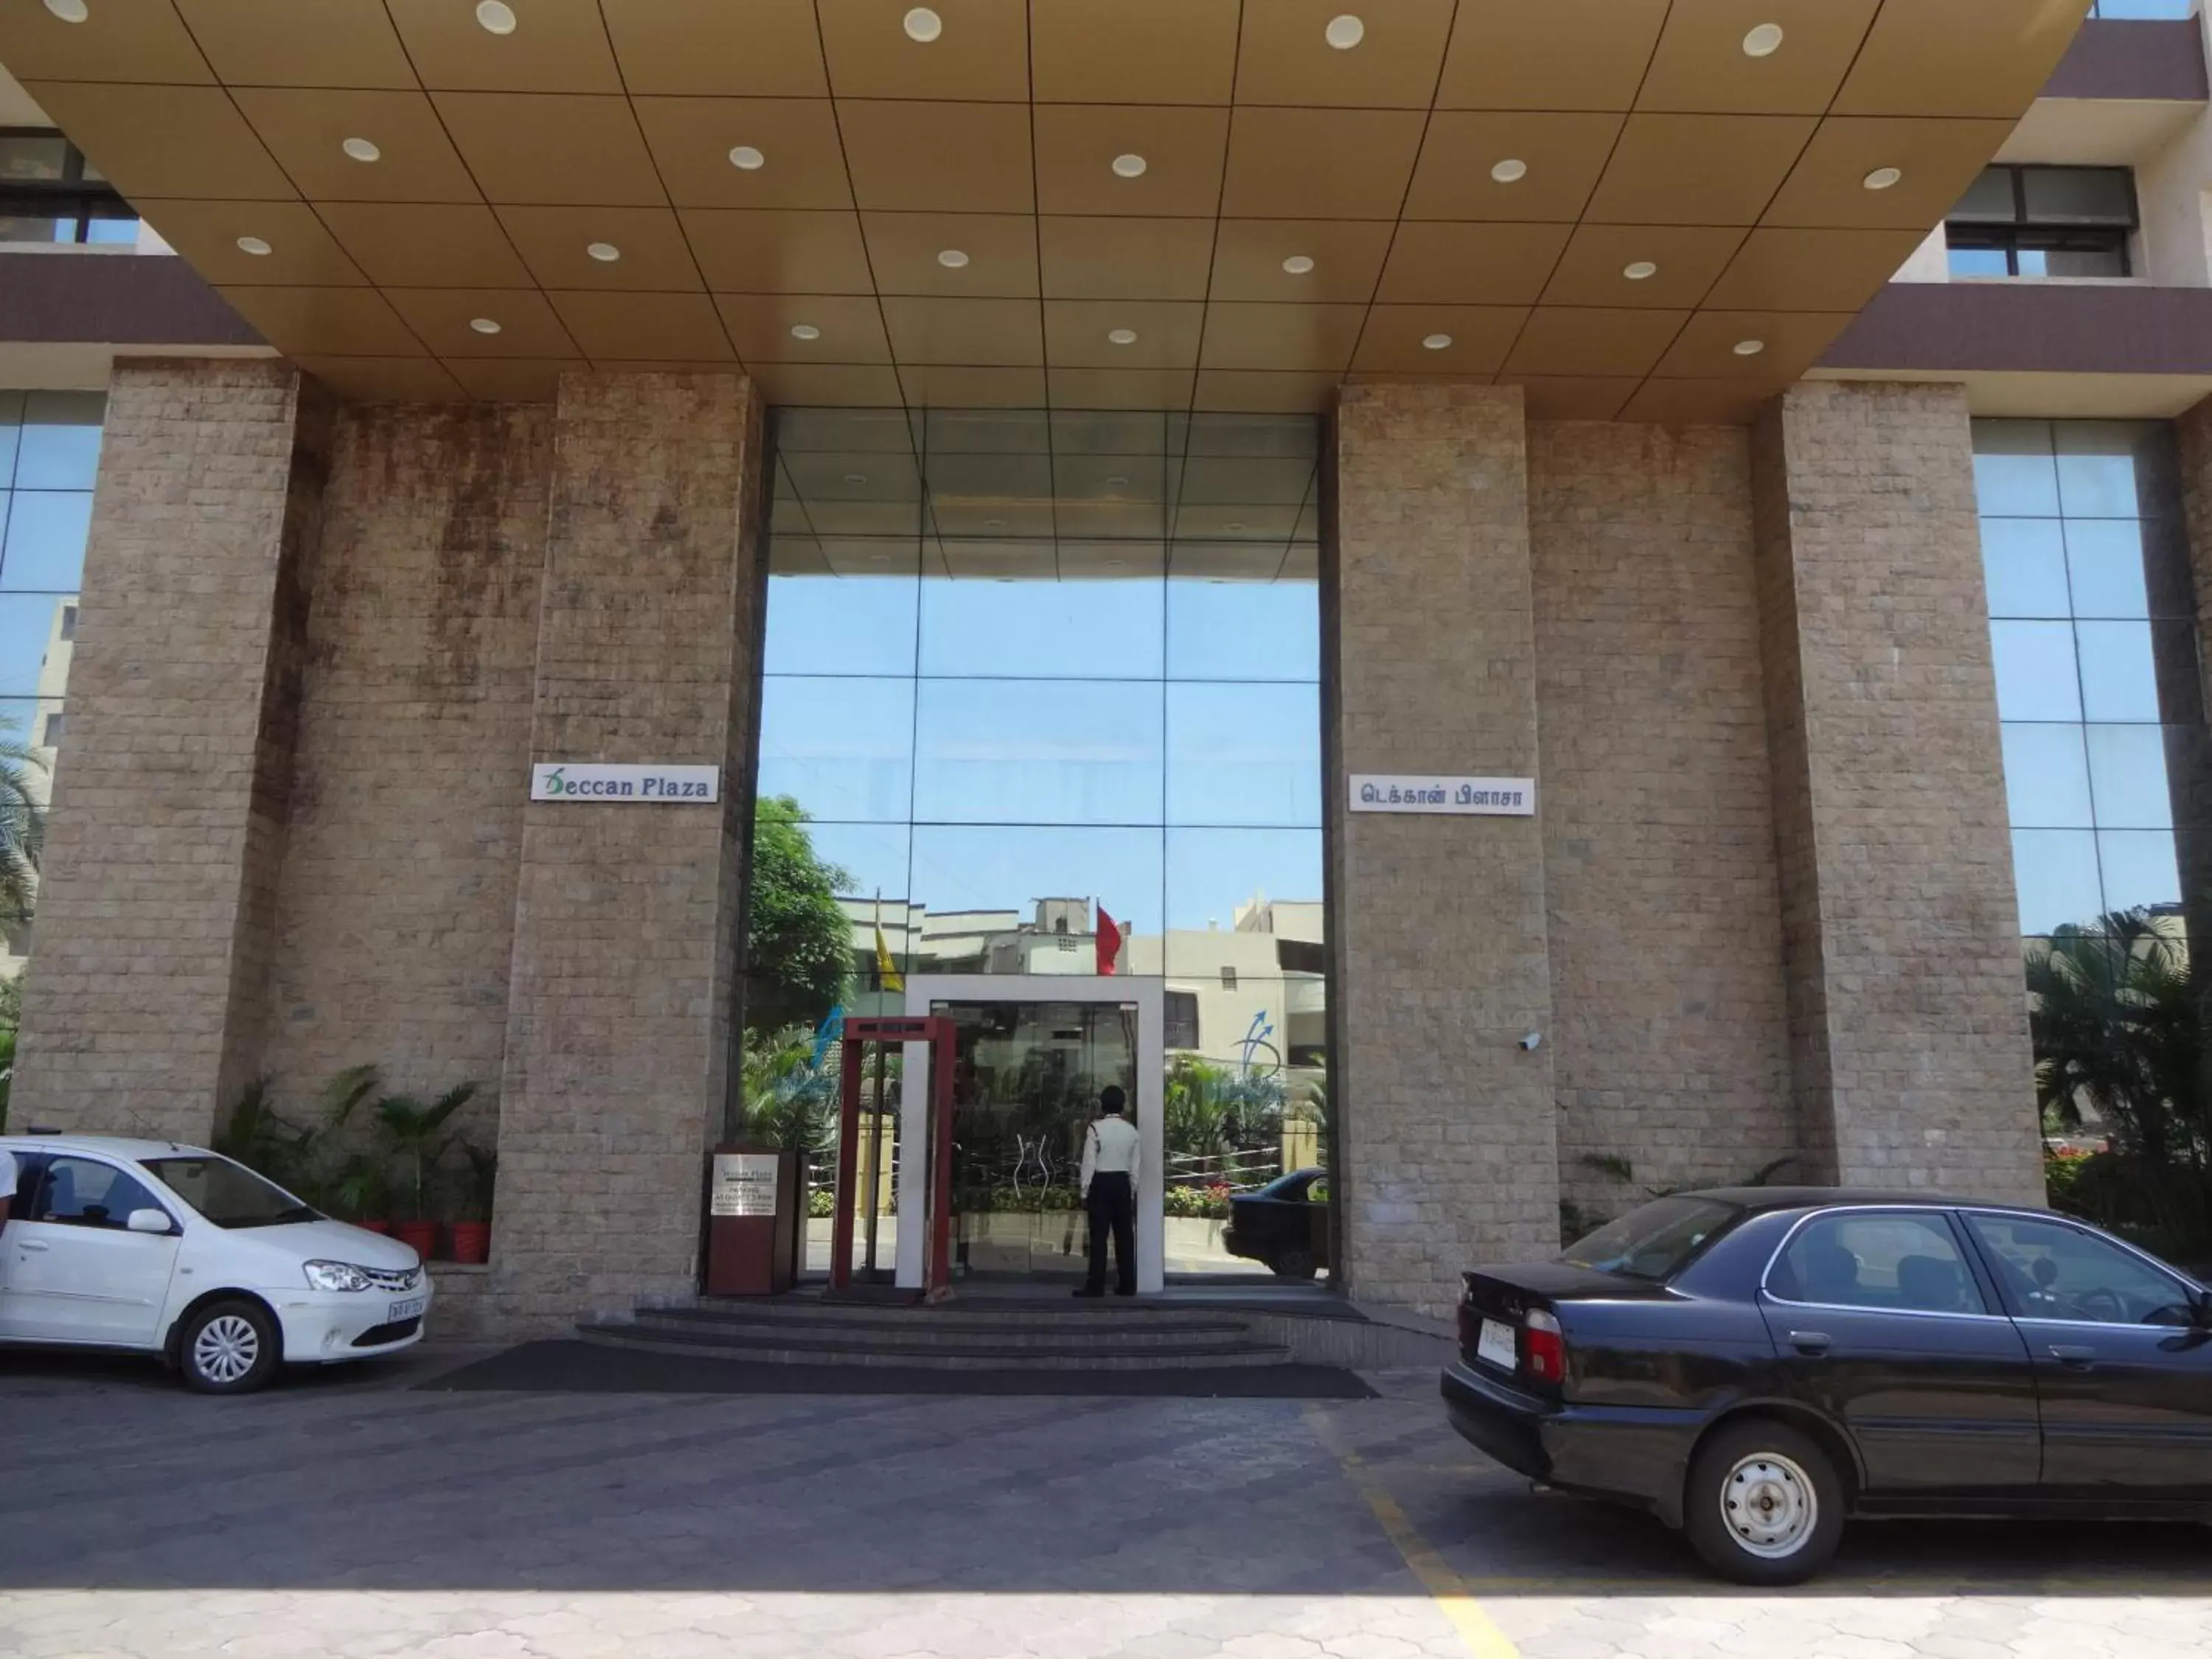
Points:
(887, 976)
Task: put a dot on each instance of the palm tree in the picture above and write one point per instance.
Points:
(22, 827)
(787, 1102)
(412, 1128)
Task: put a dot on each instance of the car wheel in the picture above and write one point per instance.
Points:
(1293, 1264)
(229, 1347)
(1764, 1506)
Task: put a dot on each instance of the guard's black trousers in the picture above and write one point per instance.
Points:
(1112, 1202)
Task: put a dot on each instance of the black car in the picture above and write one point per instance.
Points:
(1284, 1223)
(1755, 1365)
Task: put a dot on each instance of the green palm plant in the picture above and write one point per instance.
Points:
(787, 1103)
(22, 827)
(414, 1133)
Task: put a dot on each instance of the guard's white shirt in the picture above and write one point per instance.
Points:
(1111, 1143)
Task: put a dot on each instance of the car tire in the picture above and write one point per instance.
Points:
(1764, 1504)
(230, 1346)
(1294, 1264)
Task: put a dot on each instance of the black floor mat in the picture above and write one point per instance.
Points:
(587, 1368)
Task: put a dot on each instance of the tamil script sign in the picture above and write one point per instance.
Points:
(571, 781)
(1493, 798)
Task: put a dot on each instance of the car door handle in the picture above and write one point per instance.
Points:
(38, 1245)
(2074, 1359)
(1811, 1342)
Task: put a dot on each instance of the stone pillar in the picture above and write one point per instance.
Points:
(1908, 1049)
(626, 915)
(142, 1012)
(1446, 1129)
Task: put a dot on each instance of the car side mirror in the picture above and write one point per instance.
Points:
(149, 1221)
(2201, 1309)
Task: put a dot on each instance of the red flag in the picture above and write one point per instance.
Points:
(1110, 941)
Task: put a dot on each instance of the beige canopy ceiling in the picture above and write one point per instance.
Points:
(1660, 209)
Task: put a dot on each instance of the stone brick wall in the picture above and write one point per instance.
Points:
(625, 919)
(142, 1009)
(394, 926)
(1909, 1026)
(1670, 1044)
(1446, 1131)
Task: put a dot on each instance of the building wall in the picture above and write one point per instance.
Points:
(395, 916)
(1446, 1131)
(168, 826)
(1669, 1026)
(1910, 1049)
(626, 917)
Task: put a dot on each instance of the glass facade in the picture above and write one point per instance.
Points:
(2092, 629)
(49, 453)
(1043, 690)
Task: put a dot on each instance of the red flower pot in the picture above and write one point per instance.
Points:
(473, 1242)
(420, 1236)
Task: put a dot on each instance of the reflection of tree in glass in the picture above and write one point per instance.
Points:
(2118, 1022)
(787, 1102)
(22, 825)
(798, 943)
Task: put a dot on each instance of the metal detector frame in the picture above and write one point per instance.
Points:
(937, 1031)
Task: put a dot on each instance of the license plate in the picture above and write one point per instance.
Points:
(1496, 1345)
(413, 1306)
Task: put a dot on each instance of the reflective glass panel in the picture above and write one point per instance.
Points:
(1243, 754)
(2104, 564)
(2036, 679)
(2047, 775)
(995, 877)
(45, 547)
(1221, 881)
(1048, 628)
(1234, 630)
(2024, 561)
(29, 625)
(2127, 777)
(2139, 868)
(1038, 751)
(2015, 474)
(2119, 675)
(2099, 465)
(2057, 870)
(60, 445)
(831, 624)
(842, 747)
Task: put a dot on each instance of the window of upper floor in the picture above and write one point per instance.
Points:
(2143, 7)
(50, 194)
(2045, 222)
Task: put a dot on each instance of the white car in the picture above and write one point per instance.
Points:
(178, 1251)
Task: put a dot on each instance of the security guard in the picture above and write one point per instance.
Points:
(1111, 1155)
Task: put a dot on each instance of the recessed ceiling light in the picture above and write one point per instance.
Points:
(746, 157)
(1115, 564)
(1298, 264)
(856, 478)
(1236, 529)
(805, 332)
(1436, 341)
(254, 246)
(1122, 336)
(923, 25)
(70, 11)
(995, 524)
(1129, 166)
(1764, 41)
(1116, 482)
(1640, 271)
(879, 558)
(952, 260)
(1344, 32)
(1749, 348)
(483, 324)
(1510, 171)
(605, 252)
(361, 149)
(496, 16)
(1883, 178)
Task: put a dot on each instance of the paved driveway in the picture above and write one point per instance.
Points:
(347, 1515)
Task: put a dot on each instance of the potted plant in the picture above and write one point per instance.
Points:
(415, 1133)
(471, 1230)
(361, 1191)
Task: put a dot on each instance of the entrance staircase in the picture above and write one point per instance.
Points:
(981, 1335)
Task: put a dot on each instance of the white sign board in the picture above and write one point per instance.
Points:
(591, 781)
(1488, 798)
(744, 1184)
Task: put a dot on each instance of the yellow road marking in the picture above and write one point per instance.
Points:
(1482, 1638)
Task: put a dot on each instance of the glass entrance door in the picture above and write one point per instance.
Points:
(1031, 1055)
(1026, 1081)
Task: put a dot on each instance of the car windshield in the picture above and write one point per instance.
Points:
(1654, 1240)
(228, 1195)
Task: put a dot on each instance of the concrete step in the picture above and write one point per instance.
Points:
(799, 1347)
(935, 1330)
(1061, 1311)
